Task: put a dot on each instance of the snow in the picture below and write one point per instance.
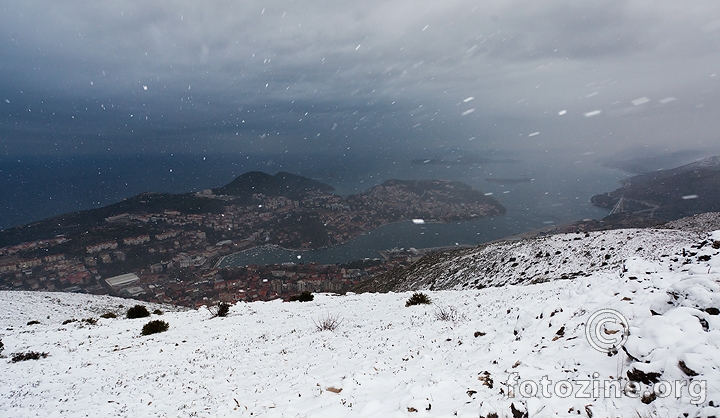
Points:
(640, 101)
(469, 111)
(592, 113)
(546, 258)
(267, 359)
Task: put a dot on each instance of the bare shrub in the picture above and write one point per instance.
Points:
(328, 323)
(449, 313)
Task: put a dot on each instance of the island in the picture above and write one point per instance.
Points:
(164, 247)
(498, 180)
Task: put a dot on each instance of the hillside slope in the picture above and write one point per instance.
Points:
(540, 259)
(471, 353)
(537, 260)
(670, 194)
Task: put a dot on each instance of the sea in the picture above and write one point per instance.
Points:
(558, 191)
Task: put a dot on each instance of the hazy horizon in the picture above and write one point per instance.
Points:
(296, 85)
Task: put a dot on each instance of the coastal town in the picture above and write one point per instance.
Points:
(172, 256)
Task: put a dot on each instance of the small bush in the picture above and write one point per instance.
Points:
(154, 327)
(449, 314)
(67, 321)
(302, 297)
(30, 355)
(329, 323)
(108, 315)
(418, 298)
(158, 312)
(137, 311)
(33, 322)
(91, 321)
(2, 346)
(221, 309)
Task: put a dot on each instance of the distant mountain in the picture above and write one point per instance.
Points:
(75, 222)
(641, 165)
(241, 189)
(281, 184)
(669, 194)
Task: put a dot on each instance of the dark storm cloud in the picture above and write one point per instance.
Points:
(322, 76)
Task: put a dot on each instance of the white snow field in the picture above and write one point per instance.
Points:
(514, 350)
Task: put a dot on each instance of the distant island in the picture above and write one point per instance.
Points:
(463, 160)
(162, 237)
(498, 180)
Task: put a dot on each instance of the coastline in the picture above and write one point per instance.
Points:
(407, 222)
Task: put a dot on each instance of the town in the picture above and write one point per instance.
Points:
(187, 279)
(172, 256)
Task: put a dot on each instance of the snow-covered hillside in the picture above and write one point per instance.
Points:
(388, 360)
(542, 259)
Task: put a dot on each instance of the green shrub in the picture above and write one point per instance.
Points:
(154, 327)
(137, 311)
(302, 297)
(30, 355)
(158, 312)
(418, 298)
(108, 315)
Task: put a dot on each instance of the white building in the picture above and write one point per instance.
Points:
(122, 280)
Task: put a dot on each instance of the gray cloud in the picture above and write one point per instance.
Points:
(270, 76)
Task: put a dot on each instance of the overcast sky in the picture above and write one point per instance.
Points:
(322, 76)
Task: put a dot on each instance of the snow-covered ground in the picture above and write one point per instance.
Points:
(541, 259)
(385, 359)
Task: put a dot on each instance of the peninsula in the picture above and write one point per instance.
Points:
(165, 240)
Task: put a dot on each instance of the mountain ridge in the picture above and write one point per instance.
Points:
(252, 182)
(669, 194)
